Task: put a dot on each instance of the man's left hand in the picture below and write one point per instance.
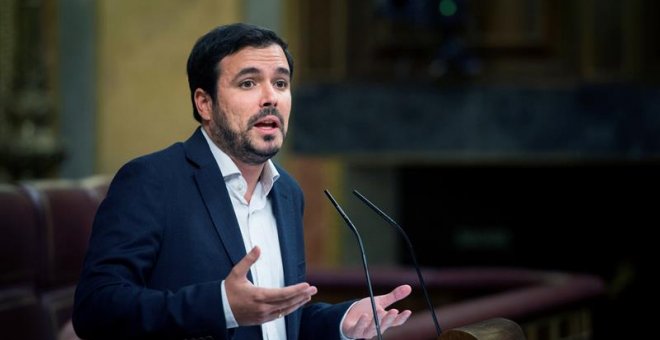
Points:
(359, 321)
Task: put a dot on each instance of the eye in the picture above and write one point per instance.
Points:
(281, 84)
(246, 84)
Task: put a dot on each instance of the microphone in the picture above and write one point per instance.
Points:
(364, 260)
(393, 223)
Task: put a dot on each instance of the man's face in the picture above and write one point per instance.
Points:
(249, 120)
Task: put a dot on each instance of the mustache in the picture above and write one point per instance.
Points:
(267, 111)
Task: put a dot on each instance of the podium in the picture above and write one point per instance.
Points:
(491, 329)
(538, 298)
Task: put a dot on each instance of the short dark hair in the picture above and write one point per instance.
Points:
(204, 60)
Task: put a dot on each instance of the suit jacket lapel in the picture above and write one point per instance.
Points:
(283, 210)
(211, 186)
(286, 232)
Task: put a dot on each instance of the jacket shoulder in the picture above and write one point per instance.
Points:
(288, 181)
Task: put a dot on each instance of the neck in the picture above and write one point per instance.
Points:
(251, 173)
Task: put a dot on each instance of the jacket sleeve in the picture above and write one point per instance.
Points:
(320, 321)
(112, 299)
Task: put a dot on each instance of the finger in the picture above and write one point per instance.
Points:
(290, 309)
(284, 296)
(395, 295)
(371, 330)
(242, 268)
(360, 328)
(291, 305)
(388, 319)
(401, 318)
(273, 311)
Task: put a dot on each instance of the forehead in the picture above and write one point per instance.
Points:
(267, 58)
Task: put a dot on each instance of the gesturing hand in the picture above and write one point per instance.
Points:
(359, 321)
(252, 305)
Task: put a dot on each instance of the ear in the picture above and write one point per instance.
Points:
(204, 104)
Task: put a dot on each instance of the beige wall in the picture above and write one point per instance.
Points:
(143, 97)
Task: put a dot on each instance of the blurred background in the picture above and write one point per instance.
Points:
(522, 133)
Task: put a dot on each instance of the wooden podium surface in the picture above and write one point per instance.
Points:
(491, 329)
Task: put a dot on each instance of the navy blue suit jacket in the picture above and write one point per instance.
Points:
(165, 237)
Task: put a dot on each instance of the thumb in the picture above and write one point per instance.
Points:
(243, 266)
(398, 293)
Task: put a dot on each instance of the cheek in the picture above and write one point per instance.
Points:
(285, 116)
(285, 110)
(233, 118)
(238, 107)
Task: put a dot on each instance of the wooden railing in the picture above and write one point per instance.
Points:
(478, 303)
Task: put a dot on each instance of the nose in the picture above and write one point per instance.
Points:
(268, 96)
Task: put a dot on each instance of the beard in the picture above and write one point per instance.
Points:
(238, 143)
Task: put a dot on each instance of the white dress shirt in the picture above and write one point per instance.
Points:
(258, 228)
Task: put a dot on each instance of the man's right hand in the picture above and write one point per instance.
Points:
(252, 305)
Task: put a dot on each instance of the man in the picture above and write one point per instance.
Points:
(204, 239)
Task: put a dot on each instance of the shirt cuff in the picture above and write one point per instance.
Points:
(229, 316)
(341, 333)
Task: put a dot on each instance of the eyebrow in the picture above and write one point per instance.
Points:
(283, 71)
(253, 70)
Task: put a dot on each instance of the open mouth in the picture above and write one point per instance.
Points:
(268, 123)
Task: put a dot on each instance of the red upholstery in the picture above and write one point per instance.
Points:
(66, 213)
(21, 316)
(18, 252)
(58, 306)
(45, 227)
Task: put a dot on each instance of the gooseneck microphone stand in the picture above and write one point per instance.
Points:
(364, 260)
(412, 254)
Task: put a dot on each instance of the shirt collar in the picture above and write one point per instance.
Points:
(229, 169)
